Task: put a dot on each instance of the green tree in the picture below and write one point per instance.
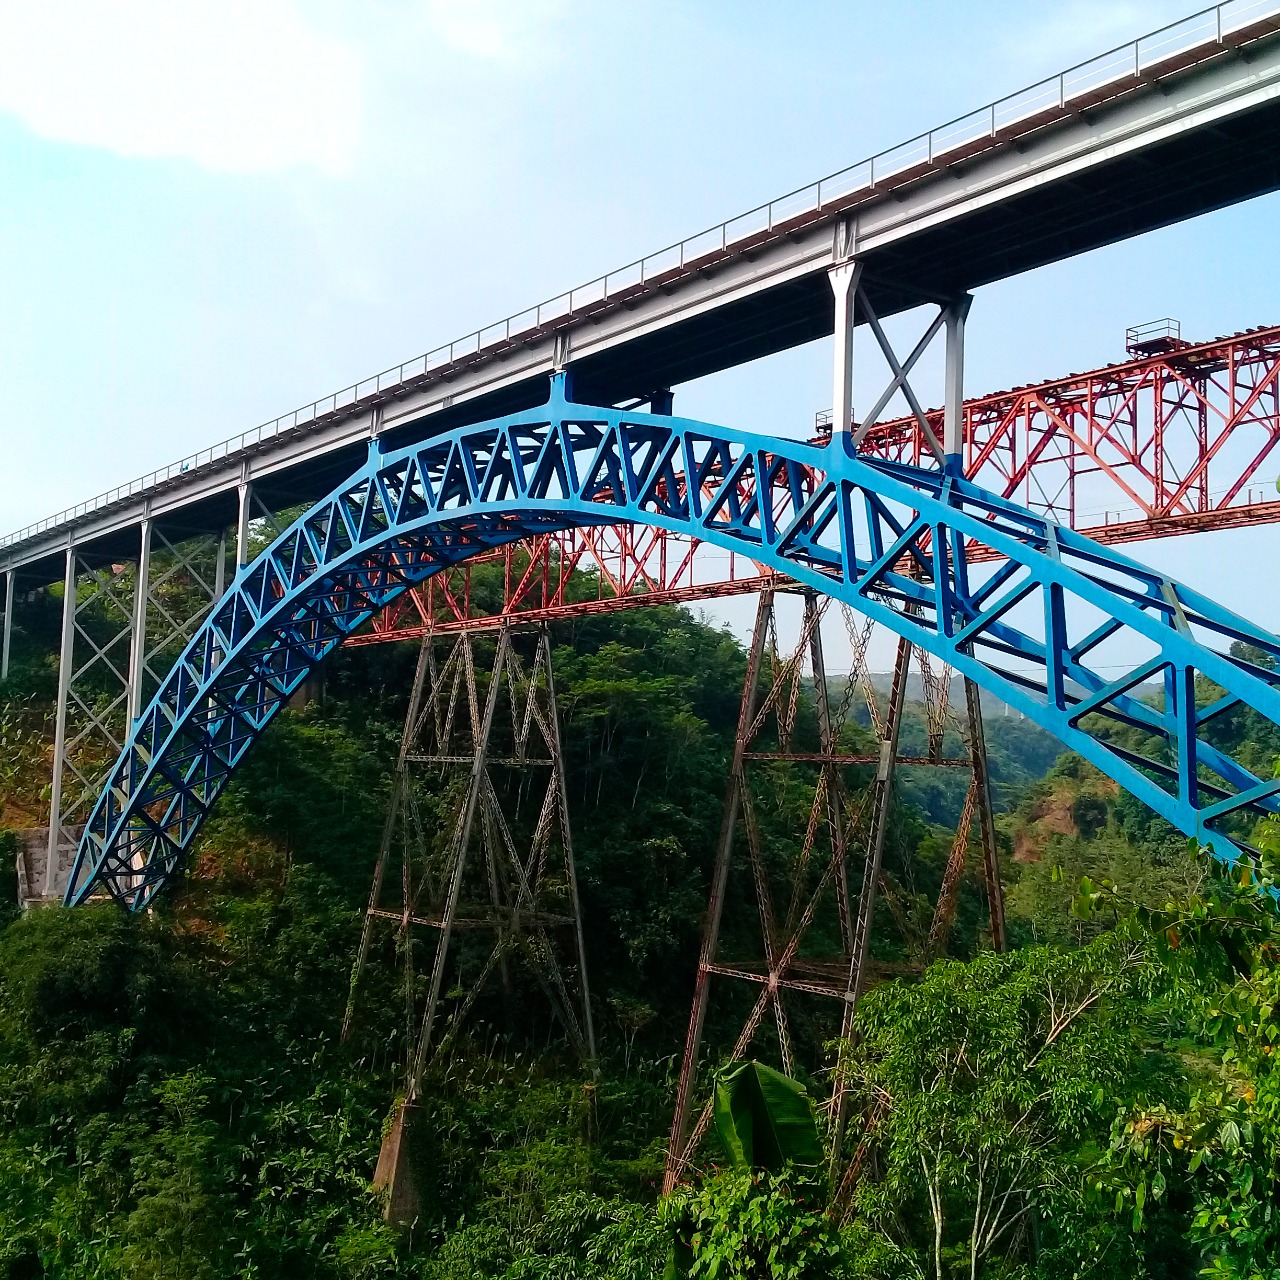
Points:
(1219, 1146)
(765, 1215)
(178, 1228)
(981, 1085)
(744, 1224)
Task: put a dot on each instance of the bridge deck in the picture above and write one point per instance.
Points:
(1176, 124)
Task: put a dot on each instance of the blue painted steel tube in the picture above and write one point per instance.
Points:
(1034, 613)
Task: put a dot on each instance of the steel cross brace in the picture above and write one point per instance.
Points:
(1028, 610)
(1171, 442)
(179, 586)
(813, 939)
(91, 710)
(109, 653)
(519, 892)
(848, 285)
(816, 879)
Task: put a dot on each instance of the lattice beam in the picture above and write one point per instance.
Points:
(1034, 613)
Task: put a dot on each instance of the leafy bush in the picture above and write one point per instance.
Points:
(745, 1224)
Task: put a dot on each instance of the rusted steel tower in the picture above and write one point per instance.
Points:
(815, 906)
(475, 878)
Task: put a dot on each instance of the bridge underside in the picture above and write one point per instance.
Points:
(1192, 173)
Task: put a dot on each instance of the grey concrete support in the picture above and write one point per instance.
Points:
(138, 638)
(844, 285)
(66, 658)
(220, 568)
(953, 389)
(242, 524)
(10, 600)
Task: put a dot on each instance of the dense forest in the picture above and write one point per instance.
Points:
(1100, 1100)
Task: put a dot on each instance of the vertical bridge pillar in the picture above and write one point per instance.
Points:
(66, 657)
(243, 515)
(953, 385)
(844, 278)
(138, 644)
(123, 621)
(10, 601)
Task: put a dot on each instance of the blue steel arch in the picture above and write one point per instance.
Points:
(1032, 611)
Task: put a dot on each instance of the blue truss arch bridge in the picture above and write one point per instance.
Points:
(1072, 634)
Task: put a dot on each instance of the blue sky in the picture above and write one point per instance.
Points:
(213, 211)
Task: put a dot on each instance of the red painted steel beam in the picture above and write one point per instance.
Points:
(1178, 441)
(1182, 440)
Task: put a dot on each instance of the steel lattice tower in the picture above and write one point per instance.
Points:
(815, 914)
(476, 844)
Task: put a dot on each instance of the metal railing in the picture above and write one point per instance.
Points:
(1098, 78)
(1153, 336)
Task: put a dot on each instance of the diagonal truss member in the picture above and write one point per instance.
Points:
(496, 861)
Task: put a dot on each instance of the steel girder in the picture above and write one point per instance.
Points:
(1115, 659)
(1179, 441)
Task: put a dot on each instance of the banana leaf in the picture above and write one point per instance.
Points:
(765, 1119)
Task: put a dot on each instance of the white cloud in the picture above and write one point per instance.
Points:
(235, 85)
(492, 28)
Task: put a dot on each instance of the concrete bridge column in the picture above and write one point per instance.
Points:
(10, 599)
(66, 659)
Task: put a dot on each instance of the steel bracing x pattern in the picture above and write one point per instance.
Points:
(1037, 614)
(511, 890)
(92, 708)
(838, 874)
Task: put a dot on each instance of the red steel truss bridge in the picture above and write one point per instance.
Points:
(1180, 438)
